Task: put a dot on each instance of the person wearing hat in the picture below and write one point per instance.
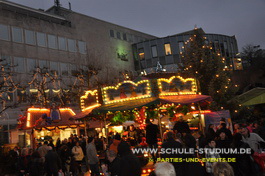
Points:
(92, 157)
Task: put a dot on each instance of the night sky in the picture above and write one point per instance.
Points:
(243, 18)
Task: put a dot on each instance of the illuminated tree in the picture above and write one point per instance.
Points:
(198, 60)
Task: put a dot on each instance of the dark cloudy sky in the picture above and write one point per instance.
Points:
(243, 18)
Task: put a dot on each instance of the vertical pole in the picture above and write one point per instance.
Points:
(86, 131)
(160, 127)
(105, 126)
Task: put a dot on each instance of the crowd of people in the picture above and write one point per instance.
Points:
(78, 155)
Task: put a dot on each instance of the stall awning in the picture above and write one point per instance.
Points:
(127, 105)
(184, 99)
(252, 97)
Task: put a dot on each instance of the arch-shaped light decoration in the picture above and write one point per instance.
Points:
(193, 84)
(105, 98)
(89, 92)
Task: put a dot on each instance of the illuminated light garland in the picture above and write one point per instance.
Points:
(126, 99)
(91, 92)
(91, 107)
(194, 86)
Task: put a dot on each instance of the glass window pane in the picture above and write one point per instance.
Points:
(62, 43)
(41, 39)
(154, 51)
(19, 63)
(167, 49)
(31, 64)
(52, 42)
(181, 47)
(82, 47)
(124, 36)
(4, 32)
(54, 67)
(17, 34)
(118, 35)
(30, 37)
(6, 62)
(111, 33)
(43, 64)
(71, 45)
(64, 69)
(141, 53)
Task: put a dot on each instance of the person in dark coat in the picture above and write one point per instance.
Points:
(242, 166)
(36, 164)
(171, 143)
(151, 136)
(181, 126)
(53, 163)
(130, 164)
(65, 156)
(210, 133)
(114, 166)
(223, 142)
(225, 130)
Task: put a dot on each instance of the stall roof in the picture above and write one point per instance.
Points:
(184, 99)
(129, 105)
(252, 97)
(35, 120)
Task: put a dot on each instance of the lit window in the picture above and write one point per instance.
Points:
(82, 47)
(4, 32)
(31, 65)
(141, 53)
(154, 51)
(71, 45)
(52, 42)
(17, 34)
(62, 43)
(111, 33)
(167, 49)
(30, 37)
(41, 39)
(19, 63)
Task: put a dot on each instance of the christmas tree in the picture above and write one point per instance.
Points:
(200, 61)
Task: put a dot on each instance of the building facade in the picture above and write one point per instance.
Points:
(167, 51)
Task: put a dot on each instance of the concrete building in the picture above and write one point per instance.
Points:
(63, 42)
(167, 51)
(66, 43)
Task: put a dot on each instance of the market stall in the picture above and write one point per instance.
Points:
(42, 123)
(153, 96)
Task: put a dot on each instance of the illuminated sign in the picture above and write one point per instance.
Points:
(89, 99)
